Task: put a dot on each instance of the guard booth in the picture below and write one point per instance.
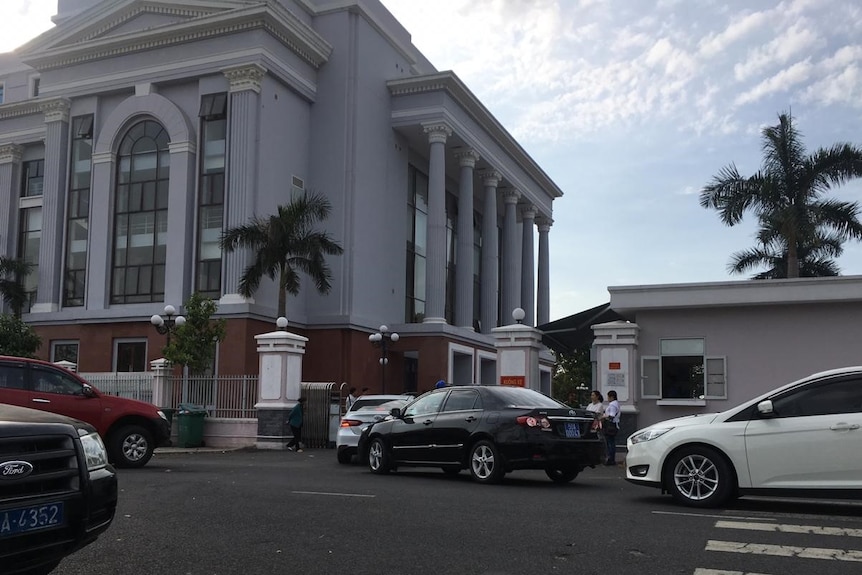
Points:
(321, 401)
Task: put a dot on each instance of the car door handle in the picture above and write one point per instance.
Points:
(844, 427)
(38, 400)
(470, 419)
(427, 422)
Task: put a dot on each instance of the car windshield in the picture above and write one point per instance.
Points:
(521, 397)
(384, 407)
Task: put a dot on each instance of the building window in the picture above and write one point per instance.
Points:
(33, 175)
(211, 193)
(130, 355)
(64, 351)
(28, 248)
(2, 93)
(78, 212)
(141, 215)
(451, 258)
(683, 371)
(34, 87)
(477, 272)
(417, 226)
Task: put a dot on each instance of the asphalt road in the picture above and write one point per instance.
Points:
(250, 512)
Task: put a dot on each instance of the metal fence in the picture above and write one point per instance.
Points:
(135, 385)
(322, 400)
(227, 396)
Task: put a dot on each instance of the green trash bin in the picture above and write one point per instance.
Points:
(190, 423)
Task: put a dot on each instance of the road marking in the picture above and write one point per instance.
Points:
(332, 494)
(784, 551)
(682, 514)
(699, 571)
(780, 528)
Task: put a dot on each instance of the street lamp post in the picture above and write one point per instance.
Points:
(166, 325)
(381, 339)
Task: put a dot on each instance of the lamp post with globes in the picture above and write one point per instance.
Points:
(381, 339)
(166, 325)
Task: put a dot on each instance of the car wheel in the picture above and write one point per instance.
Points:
(131, 446)
(344, 456)
(452, 469)
(378, 459)
(699, 477)
(486, 465)
(561, 474)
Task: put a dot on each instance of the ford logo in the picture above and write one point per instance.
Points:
(15, 469)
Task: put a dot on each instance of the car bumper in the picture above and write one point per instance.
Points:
(87, 517)
(162, 433)
(643, 465)
(542, 453)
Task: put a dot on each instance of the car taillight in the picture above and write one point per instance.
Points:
(350, 422)
(530, 421)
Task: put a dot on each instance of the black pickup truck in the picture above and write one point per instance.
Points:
(57, 490)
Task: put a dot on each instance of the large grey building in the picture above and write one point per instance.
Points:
(135, 131)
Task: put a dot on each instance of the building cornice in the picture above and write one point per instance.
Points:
(270, 16)
(18, 109)
(449, 83)
(630, 299)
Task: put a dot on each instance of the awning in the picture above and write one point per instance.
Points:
(573, 332)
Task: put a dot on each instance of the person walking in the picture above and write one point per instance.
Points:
(610, 426)
(351, 399)
(294, 420)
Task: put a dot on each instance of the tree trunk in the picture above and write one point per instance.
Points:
(282, 295)
(792, 259)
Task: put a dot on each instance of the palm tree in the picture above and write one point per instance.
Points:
(787, 197)
(12, 288)
(815, 258)
(285, 244)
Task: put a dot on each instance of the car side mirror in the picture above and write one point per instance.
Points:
(765, 408)
(395, 412)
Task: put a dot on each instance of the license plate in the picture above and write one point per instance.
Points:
(24, 519)
(573, 430)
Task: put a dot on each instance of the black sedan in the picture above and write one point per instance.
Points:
(489, 430)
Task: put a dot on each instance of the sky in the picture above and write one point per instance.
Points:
(631, 107)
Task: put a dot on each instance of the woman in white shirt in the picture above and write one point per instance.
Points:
(596, 407)
(611, 419)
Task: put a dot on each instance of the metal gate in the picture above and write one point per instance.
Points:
(319, 401)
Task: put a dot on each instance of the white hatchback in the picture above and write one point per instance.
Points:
(802, 439)
(366, 409)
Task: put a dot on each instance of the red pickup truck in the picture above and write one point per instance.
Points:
(131, 429)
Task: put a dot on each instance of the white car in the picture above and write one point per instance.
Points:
(366, 409)
(802, 439)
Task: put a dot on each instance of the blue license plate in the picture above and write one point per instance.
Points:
(25, 519)
(573, 430)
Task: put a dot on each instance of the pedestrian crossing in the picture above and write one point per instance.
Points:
(841, 544)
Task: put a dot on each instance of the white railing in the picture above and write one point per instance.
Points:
(133, 385)
(227, 396)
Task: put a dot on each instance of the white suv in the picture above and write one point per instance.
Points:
(802, 439)
(366, 409)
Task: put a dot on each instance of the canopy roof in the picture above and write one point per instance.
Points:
(575, 331)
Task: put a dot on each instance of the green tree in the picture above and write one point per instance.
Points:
(815, 259)
(17, 338)
(12, 274)
(572, 376)
(285, 244)
(787, 197)
(193, 344)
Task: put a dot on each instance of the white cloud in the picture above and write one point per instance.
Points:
(735, 32)
(23, 20)
(796, 40)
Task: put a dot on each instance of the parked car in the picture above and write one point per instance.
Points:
(57, 491)
(802, 439)
(489, 430)
(366, 409)
(130, 429)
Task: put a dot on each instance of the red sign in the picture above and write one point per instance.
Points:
(615, 365)
(513, 380)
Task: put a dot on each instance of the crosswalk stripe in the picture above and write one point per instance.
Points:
(778, 528)
(784, 551)
(700, 571)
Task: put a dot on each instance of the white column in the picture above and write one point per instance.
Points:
(543, 301)
(242, 157)
(435, 271)
(10, 170)
(53, 205)
(161, 369)
(510, 270)
(490, 252)
(528, 265)
(464, 256)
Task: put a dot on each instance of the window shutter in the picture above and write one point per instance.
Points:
(716, 378)
(650, 378)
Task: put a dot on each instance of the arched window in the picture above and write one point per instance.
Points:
(141, 215)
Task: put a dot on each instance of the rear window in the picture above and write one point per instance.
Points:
(379, 404)
(521, 397)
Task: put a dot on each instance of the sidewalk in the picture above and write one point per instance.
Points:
(169, 450)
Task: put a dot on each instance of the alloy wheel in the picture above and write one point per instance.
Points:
(696, 477)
